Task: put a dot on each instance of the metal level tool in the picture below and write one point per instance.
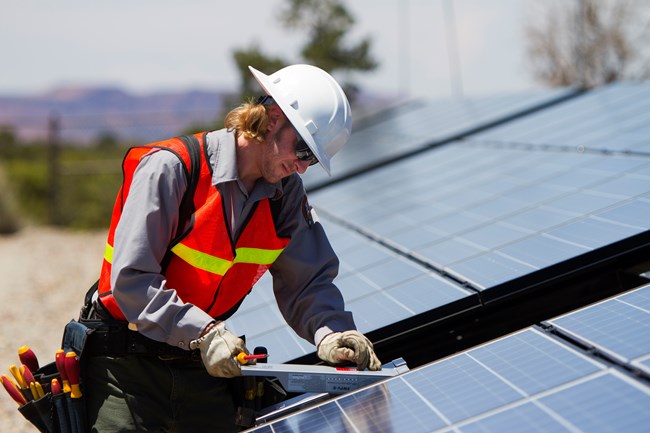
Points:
(316, 383)
(319, 378)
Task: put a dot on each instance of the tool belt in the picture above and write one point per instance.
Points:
(105, 336)
(116, 339)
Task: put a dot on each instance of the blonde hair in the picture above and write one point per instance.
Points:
(249, 119)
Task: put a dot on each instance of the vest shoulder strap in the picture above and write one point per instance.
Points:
(187, 202)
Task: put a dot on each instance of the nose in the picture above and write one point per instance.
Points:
(301, 166)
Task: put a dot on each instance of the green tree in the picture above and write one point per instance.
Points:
(253, 56)
(327, 23)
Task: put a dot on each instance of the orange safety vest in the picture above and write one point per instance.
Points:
(206, 268)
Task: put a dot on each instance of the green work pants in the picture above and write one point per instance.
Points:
(148, 394)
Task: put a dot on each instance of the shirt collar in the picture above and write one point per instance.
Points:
(222, 152)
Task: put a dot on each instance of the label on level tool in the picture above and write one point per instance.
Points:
(305, 382)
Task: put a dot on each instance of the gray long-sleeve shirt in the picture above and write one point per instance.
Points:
(302, 275)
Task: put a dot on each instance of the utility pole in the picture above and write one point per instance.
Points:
(455, 74)
(54, 164)
(404, 49)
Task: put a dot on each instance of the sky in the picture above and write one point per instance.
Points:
(145, 46)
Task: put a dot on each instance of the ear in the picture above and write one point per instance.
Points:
(275, 117)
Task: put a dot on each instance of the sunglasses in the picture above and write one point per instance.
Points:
(303, 152)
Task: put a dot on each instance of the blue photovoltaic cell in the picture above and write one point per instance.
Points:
(526, 418)
(324, 419)
(605, 404)
(593, 233)
(618, 326)
(639, 298)
(488, 270)
(538, 219)
(532, 362)
(633, 214)
(542, 251)
(448, 251)
(460, 388)
(425, 293)
(372, 409)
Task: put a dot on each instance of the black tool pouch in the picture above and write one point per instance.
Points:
(69, 412)
(39, 413)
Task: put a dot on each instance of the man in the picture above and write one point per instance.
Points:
(191, 233)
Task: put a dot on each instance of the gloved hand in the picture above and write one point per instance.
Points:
(219, 347)
(353, 346)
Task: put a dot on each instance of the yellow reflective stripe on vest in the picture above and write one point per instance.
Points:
(219, 266)
(108, 253)
(257, 256)
(202, 260)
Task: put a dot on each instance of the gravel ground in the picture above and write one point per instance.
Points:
(44, 276)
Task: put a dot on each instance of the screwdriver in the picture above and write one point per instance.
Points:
(15, 371)
(27, 375)
(13, 390)
(243, 358)
(72, 370)
(37, 390)
(28, 358)
(60, 365)
(55, 386)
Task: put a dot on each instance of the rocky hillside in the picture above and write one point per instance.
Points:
(86, 113)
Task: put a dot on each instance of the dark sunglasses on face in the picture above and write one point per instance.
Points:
(303, 152)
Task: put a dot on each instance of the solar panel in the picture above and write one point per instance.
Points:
(519, 210)
(411, 126)
(526, 381)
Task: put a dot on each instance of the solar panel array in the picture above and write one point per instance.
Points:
(489, 214)
(412, 126)
(462, 224)
(530, 381)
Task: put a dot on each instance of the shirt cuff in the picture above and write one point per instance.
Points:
(320, 334)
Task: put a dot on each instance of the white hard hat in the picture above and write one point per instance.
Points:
(315, 105)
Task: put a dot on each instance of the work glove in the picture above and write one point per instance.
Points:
(352, 346)
(219, 348)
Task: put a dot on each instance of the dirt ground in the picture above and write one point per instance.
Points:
(44, 274)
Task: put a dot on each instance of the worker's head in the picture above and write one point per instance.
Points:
(314, 104)
(281, 151)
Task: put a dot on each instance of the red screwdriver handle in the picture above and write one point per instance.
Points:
(60, 365)
(13, 390)
(28, 358)
(72, 370)
(27, 374)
